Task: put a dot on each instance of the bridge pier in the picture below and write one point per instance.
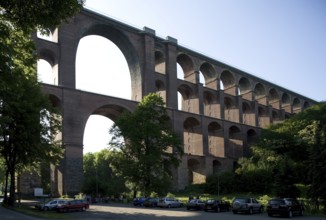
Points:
(67, 178)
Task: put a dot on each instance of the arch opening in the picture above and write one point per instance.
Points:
(102, 68)
(46, 73)
(192, 137)
(216, 139)
(194, 175)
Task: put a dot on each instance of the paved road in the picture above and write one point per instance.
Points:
(128, 212)
(7, 214)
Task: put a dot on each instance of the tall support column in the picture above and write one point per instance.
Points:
(68, 48)
(73, 169)
(171, 73)
(148, 84)
(67, 178)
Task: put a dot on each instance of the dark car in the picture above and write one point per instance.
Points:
(196, 204)
(73, 205)
(151, 202)
(138, 201)
(284, 207)
(217, 205)
(246, 205)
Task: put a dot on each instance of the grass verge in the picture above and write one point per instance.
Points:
(31, 211)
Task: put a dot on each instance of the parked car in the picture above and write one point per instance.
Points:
(50, 205)
(285, 207)
(151, 202)
(138, 201)
(196, 204)
(73, 205)
(169, 203)
(246, 205)
(217, 205)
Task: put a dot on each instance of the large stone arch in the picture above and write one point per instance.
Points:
(260, 94)
(227, 80)
(193, 140)
(244, 86)
(188, 67)
(248, 114)
(216, 140)
(128, 50)
(235, 142)
(217, 167)
(231, 111)
(189, 102)
(161, 89)
(195, 171)
(296, 105)
(211, 105)
(209, 74)
(159, 62)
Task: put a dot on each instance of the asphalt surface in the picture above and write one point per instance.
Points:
(129, 212)
(7, 214)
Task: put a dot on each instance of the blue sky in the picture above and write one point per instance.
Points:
(281, 41)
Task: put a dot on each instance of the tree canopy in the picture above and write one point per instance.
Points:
(149, 147)
(292, 152)
(28, 121)
(100, 180)
(30, 15)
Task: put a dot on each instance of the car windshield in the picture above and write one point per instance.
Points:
(276, 202)
(242, 200)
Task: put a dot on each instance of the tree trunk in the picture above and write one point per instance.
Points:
(5, 201)
(11, 200)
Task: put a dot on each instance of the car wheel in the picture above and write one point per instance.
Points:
(84, 209)
(169, 206)
(46, 208)
(65, 210)
(218, 209)
(290, 214)
(251, 211)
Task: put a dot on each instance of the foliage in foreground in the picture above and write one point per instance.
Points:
(100, 180)
(28, 123)
(146, 147)
(287, 155)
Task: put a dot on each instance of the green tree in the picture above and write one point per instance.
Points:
(99, 177)
(295, 151)
(28, 122)
(149, 148)
(30, 15)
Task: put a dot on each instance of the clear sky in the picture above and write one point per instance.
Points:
(281, 41)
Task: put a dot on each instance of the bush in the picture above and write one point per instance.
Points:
(170, 195)
(222, 183)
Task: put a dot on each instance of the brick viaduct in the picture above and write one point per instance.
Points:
(219, 119)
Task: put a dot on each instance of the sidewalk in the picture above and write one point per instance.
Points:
(7, 214)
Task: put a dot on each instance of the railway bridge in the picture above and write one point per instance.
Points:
(218, 119)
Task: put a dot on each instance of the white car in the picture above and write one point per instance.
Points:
(169, 203)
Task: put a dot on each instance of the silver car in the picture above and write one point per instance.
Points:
(169, 203)
(247, 205)
(51, 205)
